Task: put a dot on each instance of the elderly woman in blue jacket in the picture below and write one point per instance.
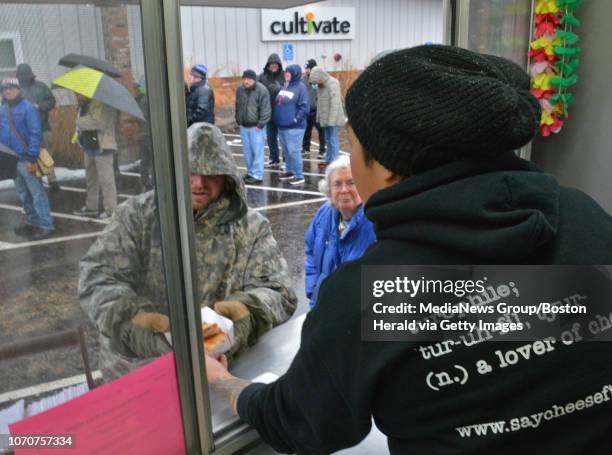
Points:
(339, 232)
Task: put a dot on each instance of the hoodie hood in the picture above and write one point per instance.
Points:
(25, 74)
(498, 211)
(319, 76)
(274, 58)
(296, 73)
(210, 155)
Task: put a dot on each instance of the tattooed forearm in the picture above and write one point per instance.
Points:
(230, 389)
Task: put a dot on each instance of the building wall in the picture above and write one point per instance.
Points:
(581, 154)
(48, 32)
(228, 40)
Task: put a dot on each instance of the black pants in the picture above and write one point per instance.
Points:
(146, 174)
(308, 133)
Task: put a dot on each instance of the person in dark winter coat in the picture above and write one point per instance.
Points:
(273, 78)
(312, 115)
(339, 232)
(289, 114)
(144, 136)
(330, 113)
(37, 93)
(21, 132)
(433, 130)
(253, 113)
(201, 98)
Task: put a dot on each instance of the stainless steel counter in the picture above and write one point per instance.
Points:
(273, 353)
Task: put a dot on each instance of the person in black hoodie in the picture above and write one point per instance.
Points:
(433, 130)
(273, 78)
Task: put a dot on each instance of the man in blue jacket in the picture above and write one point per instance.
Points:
(339, 232)
(289, 114)
(21, 131)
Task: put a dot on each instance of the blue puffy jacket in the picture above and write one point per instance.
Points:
(27, 123)
(292, 104)
(326, 250)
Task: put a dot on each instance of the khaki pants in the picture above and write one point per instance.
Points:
(100, 175)
(47, 142)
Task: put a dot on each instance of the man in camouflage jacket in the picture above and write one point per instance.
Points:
(243, 274)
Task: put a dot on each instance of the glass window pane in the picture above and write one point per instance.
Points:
(7, 54)
(83, 275)
(219, 45)
(500, 27)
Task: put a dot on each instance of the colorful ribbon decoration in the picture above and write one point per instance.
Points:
(553, 58)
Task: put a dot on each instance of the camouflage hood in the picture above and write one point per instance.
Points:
(209, 154)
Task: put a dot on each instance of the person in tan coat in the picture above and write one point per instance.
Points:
(330, 113)
(95, 133)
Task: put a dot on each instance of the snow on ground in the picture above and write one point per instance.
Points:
(64, 174)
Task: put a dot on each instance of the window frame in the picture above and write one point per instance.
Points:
(15, 39)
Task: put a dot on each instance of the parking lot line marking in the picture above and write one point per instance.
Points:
(282, 190)
(278, 171)
(46, 387)
(239, 144)
(131, 174)
(289, 204)
(74, 189)
(303, 159)
(58, 215)
(14, 246)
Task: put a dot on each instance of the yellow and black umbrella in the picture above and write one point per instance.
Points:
(98, 86)
(72, 60)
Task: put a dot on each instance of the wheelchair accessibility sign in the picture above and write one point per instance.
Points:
(288, 52)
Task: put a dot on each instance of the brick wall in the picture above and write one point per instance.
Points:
(117, 50)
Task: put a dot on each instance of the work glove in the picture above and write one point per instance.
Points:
(135, 333)
(153, 322)
(243, 323)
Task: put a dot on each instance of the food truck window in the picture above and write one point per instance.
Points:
(219, 44)
(87, 253)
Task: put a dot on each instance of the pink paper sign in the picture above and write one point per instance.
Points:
(137, 414)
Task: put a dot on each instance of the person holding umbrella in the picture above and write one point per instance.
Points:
(95, 133)
(100, 98)
(21, 132)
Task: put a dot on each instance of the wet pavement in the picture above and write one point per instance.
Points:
(38, 279)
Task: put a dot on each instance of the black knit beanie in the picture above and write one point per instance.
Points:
(249, 74)
(419, 108)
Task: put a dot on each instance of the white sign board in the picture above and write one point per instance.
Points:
(308, 23)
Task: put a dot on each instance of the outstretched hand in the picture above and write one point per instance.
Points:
(221, 381)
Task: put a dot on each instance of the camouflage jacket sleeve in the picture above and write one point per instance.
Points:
(114, 269)
(267, 289)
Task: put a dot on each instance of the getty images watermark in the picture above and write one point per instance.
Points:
(471, 304)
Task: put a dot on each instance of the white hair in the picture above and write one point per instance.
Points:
(344, 162)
